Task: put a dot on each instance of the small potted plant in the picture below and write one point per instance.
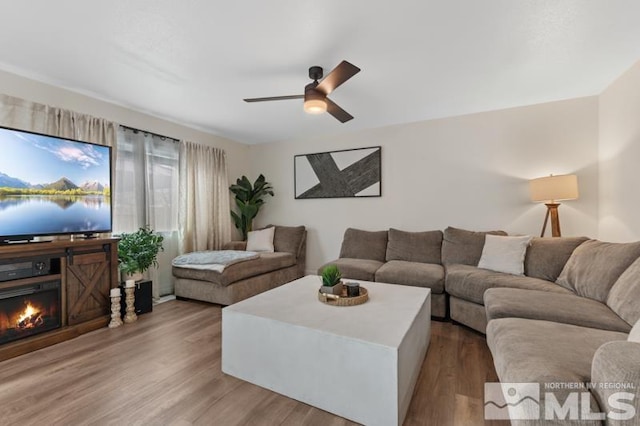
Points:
(138, 251)
(331, 283)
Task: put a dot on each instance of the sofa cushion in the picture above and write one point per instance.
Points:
(535, 351)
(595, 266)
(267, 262)
(546, 257)
(412, 273)
(634, 334)
(463, 247)
(469, 282)
(359, 244)
(235, 245)
(355, 269)
(624, 297)
(260, 240)
(504, 254)
(425, 247)
(288, 238)
(617, 363)
(544, 305)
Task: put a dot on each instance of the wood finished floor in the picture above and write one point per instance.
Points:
(165, 370)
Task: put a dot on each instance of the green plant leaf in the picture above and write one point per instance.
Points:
(249, 198)
(138, 251)
(331, 275)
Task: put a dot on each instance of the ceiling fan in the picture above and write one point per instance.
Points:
(315, 93)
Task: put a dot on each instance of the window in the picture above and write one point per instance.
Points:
(146, 193)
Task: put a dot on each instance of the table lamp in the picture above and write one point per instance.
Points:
(550, 189)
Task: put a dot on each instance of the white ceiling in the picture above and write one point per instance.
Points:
(194, 61)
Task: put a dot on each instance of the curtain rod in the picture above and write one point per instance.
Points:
(163, 137)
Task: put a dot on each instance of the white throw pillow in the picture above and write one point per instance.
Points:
(634, 335)
(504, 254)
(261, 240)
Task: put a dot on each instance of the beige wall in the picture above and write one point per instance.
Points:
(619, 217)
(470, 171)
(13, 85)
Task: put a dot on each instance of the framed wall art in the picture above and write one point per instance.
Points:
(338, 174)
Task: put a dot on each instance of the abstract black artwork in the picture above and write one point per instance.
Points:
(338, 174)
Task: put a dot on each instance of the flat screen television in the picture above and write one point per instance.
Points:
(52, 186)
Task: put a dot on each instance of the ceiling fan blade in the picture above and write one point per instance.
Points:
(274, 98)
(343, 72)
(340, 114)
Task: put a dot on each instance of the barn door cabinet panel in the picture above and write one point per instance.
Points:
(88, 273)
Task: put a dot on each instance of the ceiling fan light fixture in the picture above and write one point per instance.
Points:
(315, 106)
(314, 100)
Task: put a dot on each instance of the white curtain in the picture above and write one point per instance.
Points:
(26, 115)
(204, 218)
(147, 194)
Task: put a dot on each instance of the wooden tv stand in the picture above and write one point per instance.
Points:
(87, 270)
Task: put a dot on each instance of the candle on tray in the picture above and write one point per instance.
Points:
(353, 289)
(130, 283)
(115, 292)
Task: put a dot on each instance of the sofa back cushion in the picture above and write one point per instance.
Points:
(464, 247)
(594, 267)
(624, 297)
(546, 257)
(359, 244)
(289, 239)
(423, 247)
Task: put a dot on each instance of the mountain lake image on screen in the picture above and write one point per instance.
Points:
(52, 186)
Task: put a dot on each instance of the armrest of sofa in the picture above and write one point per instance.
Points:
(235, 245)
(615, 377)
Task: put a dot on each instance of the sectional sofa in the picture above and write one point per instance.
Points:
(567, 322)
(420, 259)
(395, 257)
(582, 343)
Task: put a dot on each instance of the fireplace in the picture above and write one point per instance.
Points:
(29, 309)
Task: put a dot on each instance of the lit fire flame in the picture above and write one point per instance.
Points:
(29, 318)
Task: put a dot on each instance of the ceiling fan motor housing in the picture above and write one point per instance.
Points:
(315, 73)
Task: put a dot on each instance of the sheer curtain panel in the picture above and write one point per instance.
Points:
(147, 194)
(204, 218)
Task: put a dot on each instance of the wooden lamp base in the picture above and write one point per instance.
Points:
(552, 210)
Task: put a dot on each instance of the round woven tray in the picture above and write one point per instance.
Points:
(343, 300)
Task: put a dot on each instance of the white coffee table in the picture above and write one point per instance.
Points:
(359, 362)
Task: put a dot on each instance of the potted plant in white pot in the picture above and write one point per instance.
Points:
(331, 280)
(138, 251)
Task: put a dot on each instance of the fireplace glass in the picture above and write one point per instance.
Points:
(29, 309)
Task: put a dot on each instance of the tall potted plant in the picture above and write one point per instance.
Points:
(249, 198)
(138, 251)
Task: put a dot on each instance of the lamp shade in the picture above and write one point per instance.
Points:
(554, 188)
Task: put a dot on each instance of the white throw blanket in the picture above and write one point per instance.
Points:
(213, 260)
